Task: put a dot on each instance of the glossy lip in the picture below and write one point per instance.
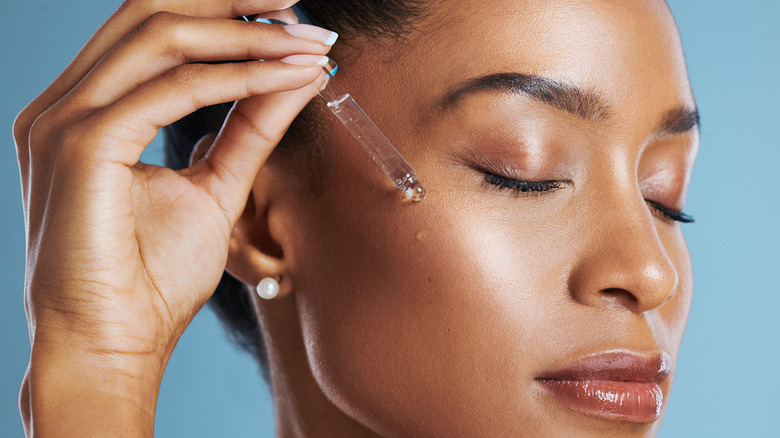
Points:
(614, 385)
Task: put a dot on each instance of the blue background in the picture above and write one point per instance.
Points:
(726, 383)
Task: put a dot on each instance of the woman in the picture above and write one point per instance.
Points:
(541, 288)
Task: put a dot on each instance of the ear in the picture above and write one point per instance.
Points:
(253, 252)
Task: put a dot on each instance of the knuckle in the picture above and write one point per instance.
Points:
(21, 129)
(40, 130)
(51, 140)
(54, 125)
(23, 123)
(262, 135)
(166, 30)
(158, 24)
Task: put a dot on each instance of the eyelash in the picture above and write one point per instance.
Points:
(502, 182)
(668, 213)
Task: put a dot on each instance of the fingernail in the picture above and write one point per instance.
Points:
(306, 60)
(310, 32)
(325, 82)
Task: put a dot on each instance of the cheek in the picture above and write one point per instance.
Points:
(668, 322)
(429, 306)
(674, 313)
(450, 306)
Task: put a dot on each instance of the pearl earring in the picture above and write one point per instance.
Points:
(268, 288)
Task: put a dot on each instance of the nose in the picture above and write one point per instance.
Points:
(624, 262)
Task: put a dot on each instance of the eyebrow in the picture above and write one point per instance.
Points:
(563, 96)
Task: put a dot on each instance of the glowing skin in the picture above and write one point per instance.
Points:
(437, 318)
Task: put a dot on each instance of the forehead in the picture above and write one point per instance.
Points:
(627, 51)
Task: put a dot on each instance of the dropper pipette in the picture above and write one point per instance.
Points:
(370, 137)
(344, 107)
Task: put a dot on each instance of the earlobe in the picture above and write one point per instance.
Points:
(268, 288)
(253, 254)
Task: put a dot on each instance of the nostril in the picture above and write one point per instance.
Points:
(627, 273)
(616, 297)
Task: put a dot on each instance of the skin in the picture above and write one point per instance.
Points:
(434, 318)
(394, 318)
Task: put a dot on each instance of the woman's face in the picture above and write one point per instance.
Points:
(489, 311)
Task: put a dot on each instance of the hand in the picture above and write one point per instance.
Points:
(120, 254)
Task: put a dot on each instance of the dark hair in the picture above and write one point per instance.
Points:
(367, 18)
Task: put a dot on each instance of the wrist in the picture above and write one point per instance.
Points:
(71, 392)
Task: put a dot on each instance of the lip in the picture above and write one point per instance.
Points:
(613, 385)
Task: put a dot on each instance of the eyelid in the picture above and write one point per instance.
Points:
(538, 187)
(520, 186)
(510, 168)
(670, 213)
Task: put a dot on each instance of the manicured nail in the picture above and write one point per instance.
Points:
(306, 60)
(325, 82)
(310, 32)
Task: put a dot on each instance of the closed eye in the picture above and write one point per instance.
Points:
(528, 187)
(502, 183)
(670, 214)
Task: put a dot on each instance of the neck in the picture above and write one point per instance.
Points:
(301, 408)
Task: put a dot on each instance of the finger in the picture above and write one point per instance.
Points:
(129, 15)
(285, 15)
(133, 121)
(251, 131)
(167, 40)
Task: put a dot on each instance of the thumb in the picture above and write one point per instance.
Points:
(251, 131)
